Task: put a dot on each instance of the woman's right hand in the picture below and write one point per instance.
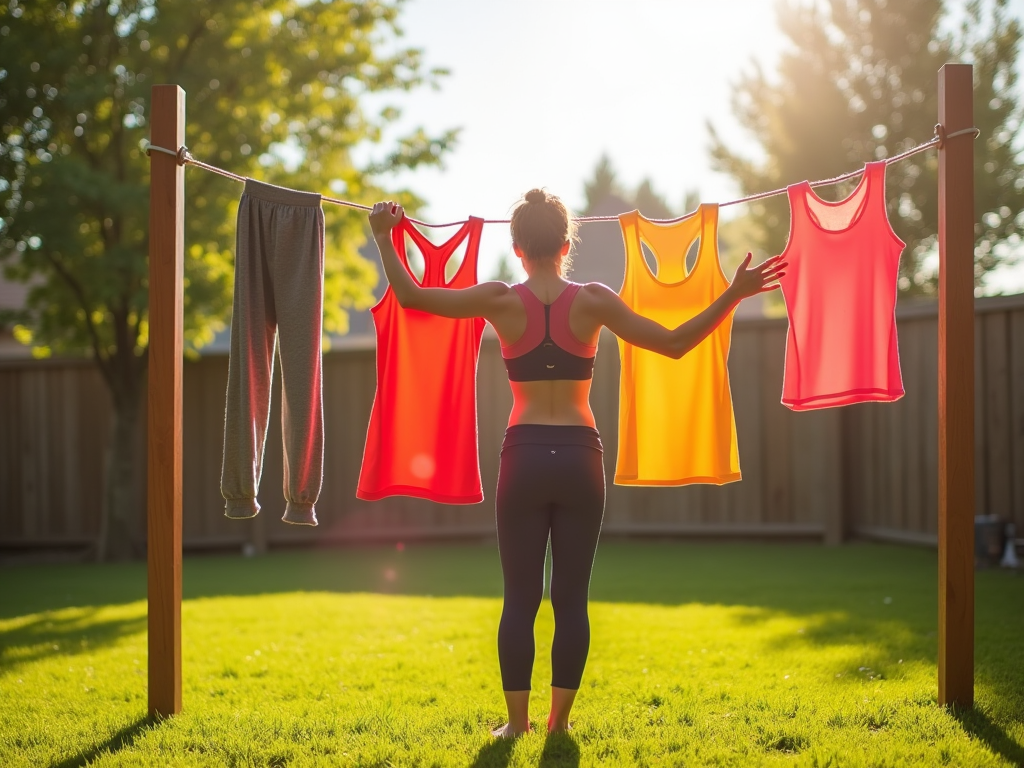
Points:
(384, 217)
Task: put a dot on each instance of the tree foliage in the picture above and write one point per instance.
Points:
(506, 270)
(275, 90)
(733, 234)
(859, 83)
(605, 184)
(261, 79)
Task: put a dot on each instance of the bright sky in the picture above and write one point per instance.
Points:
(542, 88)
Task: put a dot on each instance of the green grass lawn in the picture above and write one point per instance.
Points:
(702, 654)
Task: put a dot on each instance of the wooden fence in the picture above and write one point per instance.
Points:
(868, 470)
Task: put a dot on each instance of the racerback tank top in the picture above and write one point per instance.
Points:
(840, 292)
(676, 423)
(422, 437)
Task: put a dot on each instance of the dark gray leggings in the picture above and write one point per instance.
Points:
(550, 483)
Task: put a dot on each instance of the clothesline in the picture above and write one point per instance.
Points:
(184, 157)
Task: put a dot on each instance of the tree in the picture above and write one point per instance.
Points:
(275, 91)
(603, 185)
(650, 203)
(733, 242)
(505, 271)
(860, 84)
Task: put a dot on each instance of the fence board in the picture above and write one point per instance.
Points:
(814, 469)
(194, 457)
(746, 351)
(94, 450)
(929, 521)
(851, 464)
(1017, 406)
(911, 348)
(892, 443)
(30, 450)
(980, 418)
(778, 420)
(10, 424)
(71, 487)
(997, 417)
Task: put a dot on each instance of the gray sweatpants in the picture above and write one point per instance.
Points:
(279, 280)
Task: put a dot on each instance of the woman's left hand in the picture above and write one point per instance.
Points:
(749, 281)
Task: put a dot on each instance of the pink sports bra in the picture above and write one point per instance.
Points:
(550, 351)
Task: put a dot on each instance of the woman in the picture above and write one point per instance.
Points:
(551, 475)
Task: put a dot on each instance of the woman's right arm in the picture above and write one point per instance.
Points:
(609, 310)
(481, 300)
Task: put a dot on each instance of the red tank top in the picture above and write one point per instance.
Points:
(840, 291)
(422, 438)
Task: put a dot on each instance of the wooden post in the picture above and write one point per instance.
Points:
(956, 388)
(166, 275)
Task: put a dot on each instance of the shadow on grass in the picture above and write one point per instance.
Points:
(788, 577)
(560, 751)
(494, 754)
(37, 588)
(49, 635)
(123, 739)
(979, 726)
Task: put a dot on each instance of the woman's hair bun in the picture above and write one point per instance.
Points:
(542, 226)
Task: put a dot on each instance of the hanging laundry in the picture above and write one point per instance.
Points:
(676, 423)
(279, 287)
(422, 437)
(840, 292)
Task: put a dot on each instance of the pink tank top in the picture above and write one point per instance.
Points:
(840, 291)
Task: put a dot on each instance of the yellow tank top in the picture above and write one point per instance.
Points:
(676, 423)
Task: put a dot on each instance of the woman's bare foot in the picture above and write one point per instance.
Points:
(561, 704)
(506, 732)
(518, 705)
